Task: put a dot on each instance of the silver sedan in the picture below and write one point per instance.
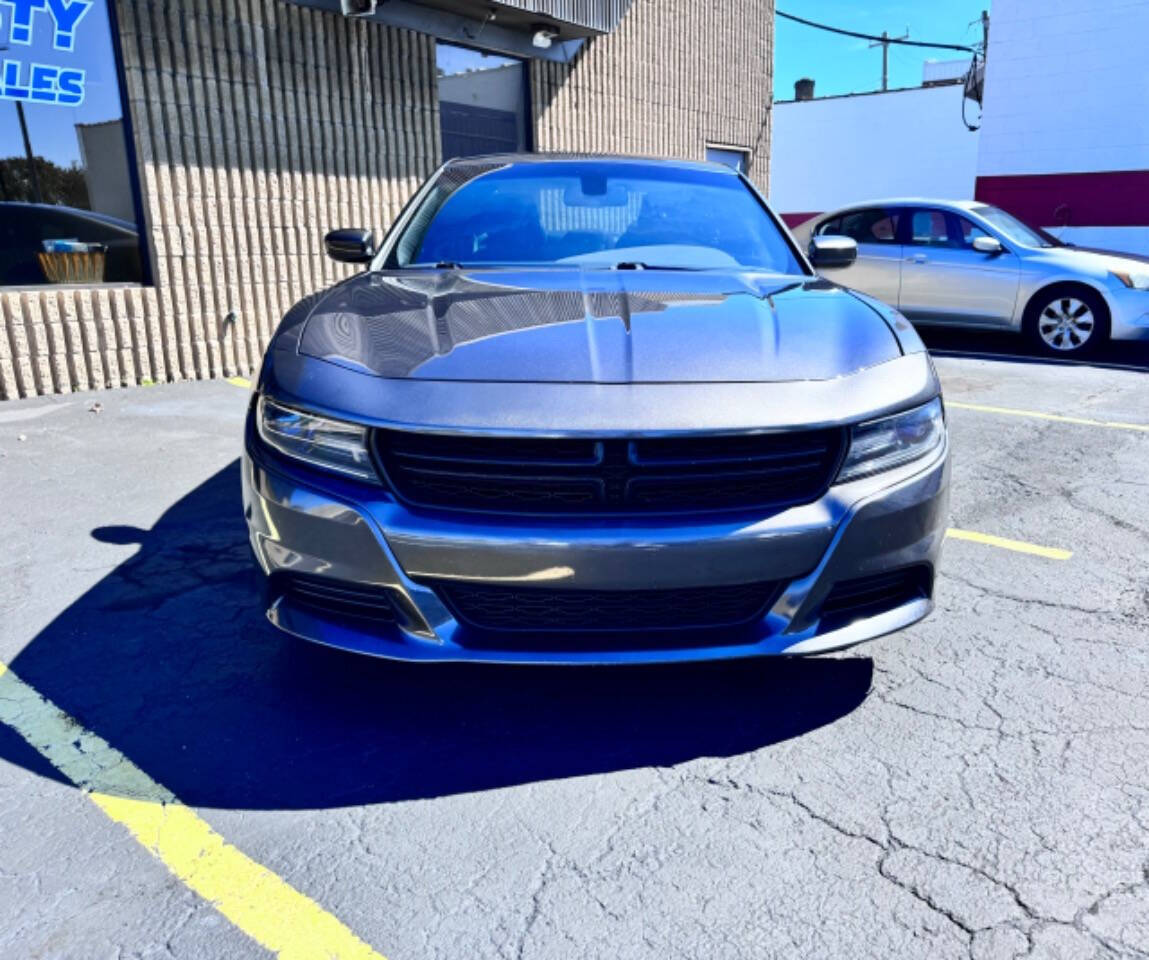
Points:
(970, 264)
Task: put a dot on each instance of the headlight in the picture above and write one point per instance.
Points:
(1134, 281)
(892, 441)
(330, 444)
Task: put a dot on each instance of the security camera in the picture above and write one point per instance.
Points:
(358, 8)
(543, 36)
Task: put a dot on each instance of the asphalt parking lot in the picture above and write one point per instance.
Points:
(977, 786)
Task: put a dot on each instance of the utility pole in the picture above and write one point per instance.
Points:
(884, 43)
(32, 176)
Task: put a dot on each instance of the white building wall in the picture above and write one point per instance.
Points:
(942, 71)
(1067, 87)
(104, 157)
(499, 88)
(827, 153)
(1065, 130)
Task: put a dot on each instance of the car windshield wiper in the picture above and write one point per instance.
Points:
(640, 265)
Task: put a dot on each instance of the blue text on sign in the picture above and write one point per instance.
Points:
(65, 15)
(42, 83)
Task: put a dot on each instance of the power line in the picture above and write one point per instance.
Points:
(869, 36)
(886, 40)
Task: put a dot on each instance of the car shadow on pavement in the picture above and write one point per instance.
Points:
(1010, 347)
(170, 660)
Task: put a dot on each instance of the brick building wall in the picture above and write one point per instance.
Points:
(674, 75)
(259, 124)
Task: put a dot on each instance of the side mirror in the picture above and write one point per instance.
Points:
(990, 245)
(350, 245)
(831, 251)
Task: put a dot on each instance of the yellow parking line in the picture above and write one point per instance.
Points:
(1020, 546)
(240, 382)
(1056, 417)
(261, 904)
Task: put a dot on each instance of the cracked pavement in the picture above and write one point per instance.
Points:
(974, 787)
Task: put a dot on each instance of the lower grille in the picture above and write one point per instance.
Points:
(867, 596)
(324, 595)
(610, 475)
(540, 610)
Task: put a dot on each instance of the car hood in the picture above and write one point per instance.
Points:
(1099, 261)
(596, 326)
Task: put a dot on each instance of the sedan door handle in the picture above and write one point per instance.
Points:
(918, 258)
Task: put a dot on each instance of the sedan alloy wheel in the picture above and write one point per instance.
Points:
(1066, 324)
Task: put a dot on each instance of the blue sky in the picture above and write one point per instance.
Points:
(52, 128)
(846, 65)
(452, 59)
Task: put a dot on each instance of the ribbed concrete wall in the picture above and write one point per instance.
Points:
(261, 124)
(673, 75)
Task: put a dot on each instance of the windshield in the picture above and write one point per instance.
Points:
(1013, 228)
(595, 215)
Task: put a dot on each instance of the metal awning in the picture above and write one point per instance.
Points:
(572, 18)
(506, 26)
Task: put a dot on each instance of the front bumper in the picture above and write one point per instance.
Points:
(1129, 314)
(319, 525)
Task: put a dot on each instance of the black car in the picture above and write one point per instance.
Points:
(24, 227)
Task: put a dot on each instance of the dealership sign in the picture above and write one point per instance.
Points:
(23, 79)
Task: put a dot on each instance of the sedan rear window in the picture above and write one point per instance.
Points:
(594, 215)
(873, 225)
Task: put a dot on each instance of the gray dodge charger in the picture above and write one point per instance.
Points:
(593, 410)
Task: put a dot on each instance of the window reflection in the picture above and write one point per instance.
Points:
(482, 102)
(67, 201)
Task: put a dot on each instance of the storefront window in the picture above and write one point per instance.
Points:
(482, 102)
(67, 197)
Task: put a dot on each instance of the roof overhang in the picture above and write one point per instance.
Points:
(505, 26)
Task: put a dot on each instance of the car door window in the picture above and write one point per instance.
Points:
(85, 228)
(884, 229)
(968, 232)
(16, 231)
(931, 228)
(872, 225)
(54, 226)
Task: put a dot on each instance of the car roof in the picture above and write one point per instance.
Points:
(543, 158)
(74, 211)
(955, 205)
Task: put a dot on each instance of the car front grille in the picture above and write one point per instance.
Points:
(544, 610)
(612, 476)
(329, 596)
